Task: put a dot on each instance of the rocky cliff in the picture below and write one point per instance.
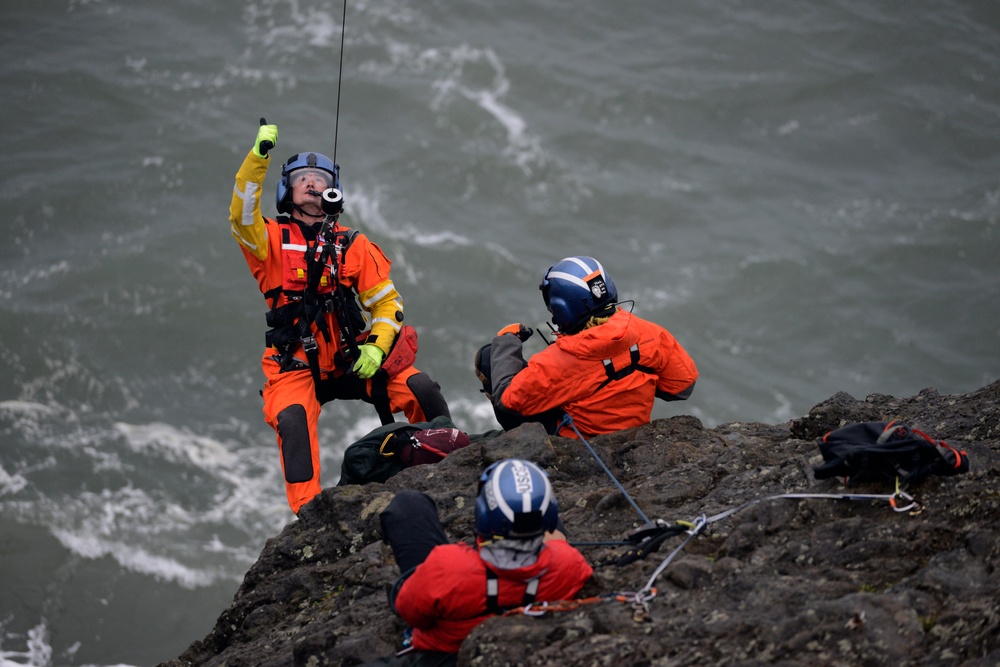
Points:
(781, 582)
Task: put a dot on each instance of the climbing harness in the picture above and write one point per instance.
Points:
(309, 290)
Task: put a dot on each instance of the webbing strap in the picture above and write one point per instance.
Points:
(699, 525)
(493, 593)
(889, 497)
(634, 365)
(702, 522)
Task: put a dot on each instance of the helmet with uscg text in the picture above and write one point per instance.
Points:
(515, 501)
(575, 289)
(299, 161)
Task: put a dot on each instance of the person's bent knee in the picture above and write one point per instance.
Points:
(407, 502)
(428, 395)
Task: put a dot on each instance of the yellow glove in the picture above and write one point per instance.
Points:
(267, 138)
(519, 330)
(369, 359)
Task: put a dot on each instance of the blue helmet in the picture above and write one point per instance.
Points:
(515, 500)
(283, 198)
(576, 288)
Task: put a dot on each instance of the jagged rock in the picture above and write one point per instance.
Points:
(781, 582)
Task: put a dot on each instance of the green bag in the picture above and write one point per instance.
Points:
(380, 454)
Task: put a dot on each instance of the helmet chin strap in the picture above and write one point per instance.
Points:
(315, 218)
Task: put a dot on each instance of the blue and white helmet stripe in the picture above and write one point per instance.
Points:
(584, 265)
(575, 288)
(524, 487)
(515, 498)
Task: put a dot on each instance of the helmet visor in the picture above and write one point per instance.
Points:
(300, 176)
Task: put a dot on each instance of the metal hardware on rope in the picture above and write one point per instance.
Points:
(698, 526)
(702, 522)
(537, 609)
(649, 538)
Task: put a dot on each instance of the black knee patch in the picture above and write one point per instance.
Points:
(296, 455)
(429, 396)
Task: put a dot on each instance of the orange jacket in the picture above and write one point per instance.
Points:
(275, 254)
(606, 377)
(445, 597)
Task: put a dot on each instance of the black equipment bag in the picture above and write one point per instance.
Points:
(886, 451)
(388, 449)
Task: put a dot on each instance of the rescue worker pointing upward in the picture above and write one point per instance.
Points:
(311, 270)
(604, 369)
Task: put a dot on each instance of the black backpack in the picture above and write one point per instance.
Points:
(886, 451)
(385, 451)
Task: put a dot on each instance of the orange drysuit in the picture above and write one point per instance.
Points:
(276, 252)
(606, 376)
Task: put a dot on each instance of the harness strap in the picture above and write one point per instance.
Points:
(634, 365)
(313, 309)
(493, 593)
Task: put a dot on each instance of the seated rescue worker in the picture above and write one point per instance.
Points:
(445, 590)
(311, 271)
(605, 368)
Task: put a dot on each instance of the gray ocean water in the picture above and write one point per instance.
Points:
(806, 194)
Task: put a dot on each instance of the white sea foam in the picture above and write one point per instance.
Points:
(37, 650)
(523, 147)
(192, 510)
(11, 484)
(175, 445)
(26, 408)
(35, 274)
(458, 75)
(365, 208)
(34, 649)
(135, 559)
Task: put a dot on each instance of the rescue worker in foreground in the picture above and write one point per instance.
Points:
(445, 590)
(311, 270)
(604, 369)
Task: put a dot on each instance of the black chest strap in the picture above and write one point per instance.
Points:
(493, 593)
(633, 366)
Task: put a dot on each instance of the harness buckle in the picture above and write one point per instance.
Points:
(309, 345)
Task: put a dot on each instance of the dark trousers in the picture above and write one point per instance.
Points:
(411, 527)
